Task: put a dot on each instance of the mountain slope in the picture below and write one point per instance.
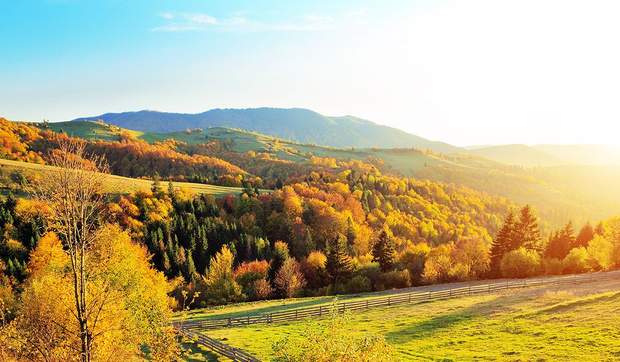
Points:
(520, 155)
(300, 125)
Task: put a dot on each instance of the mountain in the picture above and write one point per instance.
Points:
(519, 155)
(296, 124)
(548, 155)
(583, 154)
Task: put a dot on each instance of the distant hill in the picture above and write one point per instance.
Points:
(296, 124)
(520, 155)
(549, 155)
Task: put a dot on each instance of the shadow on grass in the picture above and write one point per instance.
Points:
(583, 302)
(192, 352)
(443, 321)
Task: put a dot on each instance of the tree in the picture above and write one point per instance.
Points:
(129, 315)
(339, 264)
(561, 242)
(383, 251)
(502, 243)
(527, 232)
(289, 279)
(75, 194)
(586, 234)
(221, 286)
(280, 255)
(520, 263)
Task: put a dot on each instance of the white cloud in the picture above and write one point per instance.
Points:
(176, 22)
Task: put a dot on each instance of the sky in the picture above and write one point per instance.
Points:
(465, 72)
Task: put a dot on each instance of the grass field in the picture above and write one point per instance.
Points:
(116, 184)
(565, 323)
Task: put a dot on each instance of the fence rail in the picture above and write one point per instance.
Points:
(233, 353)
(394, 299)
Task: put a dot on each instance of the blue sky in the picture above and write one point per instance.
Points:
(475, 72)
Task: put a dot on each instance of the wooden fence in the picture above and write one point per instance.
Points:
(393, 299)
(225, 350)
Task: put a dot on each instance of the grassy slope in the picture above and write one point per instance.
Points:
(571, 323)
(115, 183)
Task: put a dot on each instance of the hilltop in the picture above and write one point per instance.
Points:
(296, 124)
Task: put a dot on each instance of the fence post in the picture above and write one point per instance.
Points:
(409, 298)
(389, 301)
(320, 310)
(489, 287)
(248, 320)
(470, 290)
(430, 294)
(450, 292)
(229, 322)
(366, 303)
(295, 313)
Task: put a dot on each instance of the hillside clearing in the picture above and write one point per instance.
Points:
(517, 325)
(116, 184)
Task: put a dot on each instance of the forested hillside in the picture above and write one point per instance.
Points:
(558, 193)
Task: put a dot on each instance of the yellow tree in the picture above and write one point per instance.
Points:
(128, 304)
(74, 191)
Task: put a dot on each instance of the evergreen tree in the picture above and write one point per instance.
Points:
(503, 242)
(561, 242)
(339, 264)
(586, 234)
(383, 251)
(527, 231)
(155, 186)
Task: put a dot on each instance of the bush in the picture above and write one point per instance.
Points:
(520, 263)
(357, 284)
(601, 253)
(333, 341)
(459, 272)
(393, 280)
(553, 266)
(577, 261)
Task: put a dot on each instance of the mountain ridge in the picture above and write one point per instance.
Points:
(296, 124)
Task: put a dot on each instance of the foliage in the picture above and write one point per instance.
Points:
(130, 297)
(383, 251)
(289, 280)
(332, 342)
(520, 263)
(220, 285)
(577, 261)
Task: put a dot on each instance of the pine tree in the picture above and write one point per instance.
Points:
(561, 242)
(527, 231)
(503, 242)
(383, 252)
(586, 234)
(339, 264)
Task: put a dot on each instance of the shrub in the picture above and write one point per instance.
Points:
(357, 284)
(520, 263)
(248, 273)
(333, 341)
(394, 280)
(553, 266)
(413, 259)
(577, 261)
(601, 253)
(459, 272)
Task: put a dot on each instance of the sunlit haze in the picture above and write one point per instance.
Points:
(463, 72)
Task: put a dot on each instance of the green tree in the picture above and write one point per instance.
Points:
(339, 264)
(383, 251)
(502, 243)
(527, 231)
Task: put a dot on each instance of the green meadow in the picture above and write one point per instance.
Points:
(572, 323)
